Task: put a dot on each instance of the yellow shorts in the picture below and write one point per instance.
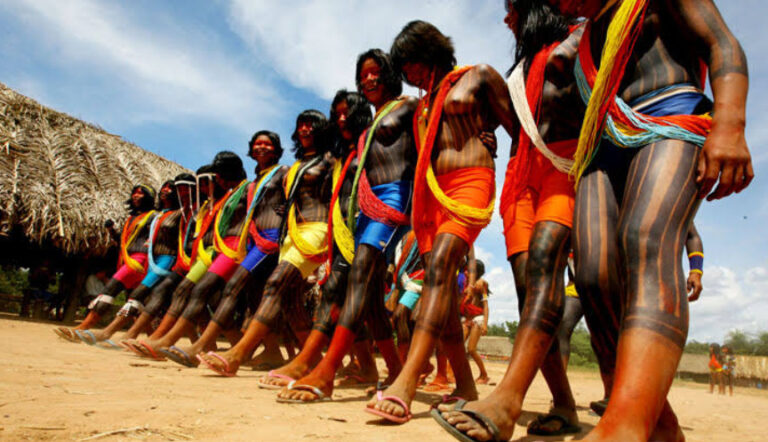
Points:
(315, 233)
(198, 268)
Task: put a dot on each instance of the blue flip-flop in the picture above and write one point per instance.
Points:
(90, 339)
(184, 359)
(109, 344)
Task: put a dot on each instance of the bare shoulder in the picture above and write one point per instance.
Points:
(409, 102)
(486, 73)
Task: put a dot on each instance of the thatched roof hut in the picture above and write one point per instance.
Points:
(62, 178)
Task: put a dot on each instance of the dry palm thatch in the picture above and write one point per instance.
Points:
(61, 178)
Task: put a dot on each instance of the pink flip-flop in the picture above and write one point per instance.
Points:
(218, 370)
(272, 374)
(390, 417)
(149, 352)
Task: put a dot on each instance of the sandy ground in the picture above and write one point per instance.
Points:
(54, 390)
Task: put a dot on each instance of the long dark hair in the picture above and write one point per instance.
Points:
(359, 117)
(319, 129)
(539, 25)
(422, 42)
(147, 201)
(390, 78)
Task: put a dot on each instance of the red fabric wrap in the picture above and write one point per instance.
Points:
(334, 199)
(376, 209)
(421, 192)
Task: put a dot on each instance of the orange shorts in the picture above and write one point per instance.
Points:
(473, 186)
(549, 197)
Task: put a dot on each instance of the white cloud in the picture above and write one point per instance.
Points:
(314, 44)
(173, 72)
(730, 300)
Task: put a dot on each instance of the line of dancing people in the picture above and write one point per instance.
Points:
(614, 146)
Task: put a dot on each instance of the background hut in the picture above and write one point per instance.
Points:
(61, 179)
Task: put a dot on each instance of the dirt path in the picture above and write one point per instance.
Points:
(54, 390)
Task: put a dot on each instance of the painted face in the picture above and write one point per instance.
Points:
(165, 192)
(342, 113)
(578, 8)
(262, 149)
(417, 74)
(205, 186)
(370, 80)
(306, 134)
(137, 196)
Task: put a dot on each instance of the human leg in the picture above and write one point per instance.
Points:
(661, 180)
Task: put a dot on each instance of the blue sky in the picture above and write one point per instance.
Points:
(187, 79)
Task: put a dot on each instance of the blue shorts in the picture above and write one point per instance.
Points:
(256, 256)
(396, 195)
(409, 299)
(165, 262)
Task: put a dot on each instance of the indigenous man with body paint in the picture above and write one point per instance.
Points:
(537, 208)
(453, 195)
(132, 265)
(350, 115)
(161, 256)
(382, 191)
(651, 147)
(256, 216)
(229, 237)
(303, 248)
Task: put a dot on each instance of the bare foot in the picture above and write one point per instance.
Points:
(482, 380)
(455, 396)
(306, 395)
(266, 361)
(499, 410)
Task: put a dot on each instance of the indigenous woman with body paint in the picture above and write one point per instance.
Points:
(258, 212)
(304, 247)
(229, 237)
(641, 175)
(453, 195)
(201, 259)
(382, 191)
(537, 208)
(132, 265)
(160, 297)
(161, 256)
(350, 115)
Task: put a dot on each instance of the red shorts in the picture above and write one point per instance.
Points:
(549, 196)
(472, 186)
(223, 265)
(130, 278)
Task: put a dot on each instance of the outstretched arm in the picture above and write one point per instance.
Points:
(725, 153)
(695, 249)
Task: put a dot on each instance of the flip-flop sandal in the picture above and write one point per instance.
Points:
(149, 352)
(178, 356)
(86, 336)
(477, 417)
(447, 399)
(390, 417)
(134, 348)
(293, 386)
(108, 344)
(599, 406)
(223, 372)
(66, 334)
(536, 427)
(274, 375)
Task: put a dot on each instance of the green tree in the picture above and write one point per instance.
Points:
(696, 347)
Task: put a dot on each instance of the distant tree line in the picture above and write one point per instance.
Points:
(754, 344)
(582, 354)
